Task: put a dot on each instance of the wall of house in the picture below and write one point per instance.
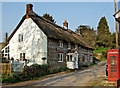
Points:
(86, 54)
(34, 43)
(53, 50)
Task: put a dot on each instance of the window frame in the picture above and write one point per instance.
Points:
(60, 57)
(86, 58)
(76, 46)
(20, 37)
(69, 45)
(91, 58)
(22, 55)
(61, 43)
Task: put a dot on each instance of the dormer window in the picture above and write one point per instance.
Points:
(20, 37)
(69, 45)
(61, 44)
(76, 46)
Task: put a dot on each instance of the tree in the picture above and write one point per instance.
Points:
(88, 33)
(48, 17)
(103, 33)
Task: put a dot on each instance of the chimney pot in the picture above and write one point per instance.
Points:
(65, 24)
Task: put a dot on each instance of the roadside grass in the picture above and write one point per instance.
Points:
(103, 51)
(100, 50)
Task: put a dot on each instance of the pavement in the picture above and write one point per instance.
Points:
(92, 76)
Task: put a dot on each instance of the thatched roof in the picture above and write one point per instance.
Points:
(72, 51)
(52, 30)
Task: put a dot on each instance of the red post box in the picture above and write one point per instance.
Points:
(113, 63)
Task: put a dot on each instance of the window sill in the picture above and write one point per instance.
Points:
(60, 61)
(60, 47)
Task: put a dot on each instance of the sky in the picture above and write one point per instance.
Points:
(76, 13)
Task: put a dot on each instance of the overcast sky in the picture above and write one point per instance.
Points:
(76, 13)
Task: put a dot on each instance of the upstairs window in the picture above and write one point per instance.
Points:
(20, 37)
(61, 44)
(60, 57)
(7, 49)
(69, 45)
(76, 46)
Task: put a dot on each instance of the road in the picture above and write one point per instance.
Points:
(88, 77)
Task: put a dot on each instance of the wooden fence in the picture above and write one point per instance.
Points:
(5, 68)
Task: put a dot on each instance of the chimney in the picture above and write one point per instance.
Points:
(65, 24)
(29, 7)
(6, 37)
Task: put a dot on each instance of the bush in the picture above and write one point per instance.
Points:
(5, 60)
(86, 65)
(30, 72)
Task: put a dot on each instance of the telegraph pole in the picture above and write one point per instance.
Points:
(116, 26)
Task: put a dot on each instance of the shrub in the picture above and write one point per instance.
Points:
(86, 65)
(35, 70)
(5, 60)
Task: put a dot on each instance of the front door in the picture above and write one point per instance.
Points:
(76, 61)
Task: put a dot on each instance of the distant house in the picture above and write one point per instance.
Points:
(43, 42)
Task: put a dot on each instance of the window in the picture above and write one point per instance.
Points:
(20, 37)
(67, 57)
(61, 44)
(60, 57)
(88, 58)
(85, 58)
(70, 57)
(69, 45)
(76, 46)
(91, 58)
(6, 50)
(22, 55)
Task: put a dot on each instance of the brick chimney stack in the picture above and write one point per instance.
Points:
(29, 7)
(65, 24)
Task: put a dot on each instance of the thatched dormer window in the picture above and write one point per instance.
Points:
(69, 45)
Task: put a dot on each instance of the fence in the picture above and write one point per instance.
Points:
(5, 68)
(17, 66)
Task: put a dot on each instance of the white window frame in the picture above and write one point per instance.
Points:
(60, 58)
(91, 58)
(6, 52)
(61, 43)
(69, 45)
(86, 58)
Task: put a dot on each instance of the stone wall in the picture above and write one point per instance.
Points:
(54, 49)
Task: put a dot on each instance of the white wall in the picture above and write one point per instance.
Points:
(34, 42)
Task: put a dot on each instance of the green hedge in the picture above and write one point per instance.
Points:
(31, 72)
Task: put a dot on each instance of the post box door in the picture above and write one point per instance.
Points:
(112, 67)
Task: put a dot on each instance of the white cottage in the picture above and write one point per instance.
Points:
(43, 42)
